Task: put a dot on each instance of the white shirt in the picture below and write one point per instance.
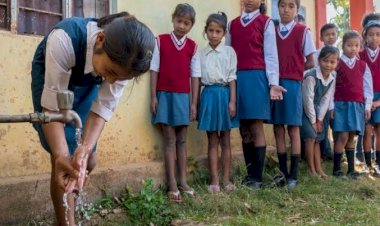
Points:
(195, 66)
(308, 44)
(60, 58)
(218, 65)
(270, 47)
(373, 53)
(367, 82)
(308, 94)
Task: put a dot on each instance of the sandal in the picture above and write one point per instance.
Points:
(190, 192)
(213, 188)
(174, 196)
(230, 187)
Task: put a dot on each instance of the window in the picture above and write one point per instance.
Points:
(38, 16)
(4, 14)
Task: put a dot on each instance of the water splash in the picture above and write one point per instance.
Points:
(67, 208)
(78, 136)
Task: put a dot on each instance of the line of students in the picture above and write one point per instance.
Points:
(259, 80)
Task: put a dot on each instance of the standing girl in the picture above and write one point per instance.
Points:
(252, 35)
(93, 58)
(352, 102)
(175, 60)
(218, 99)
(317, 90)
(370, 54)
(294, 43)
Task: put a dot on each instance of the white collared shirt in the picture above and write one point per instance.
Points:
(308, 45)
(195, 65)
(270, 48)
(373, 53)
(308, 94)
(218, 65)
(367, 82)
(60, 58)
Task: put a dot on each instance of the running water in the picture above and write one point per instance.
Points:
(79, 195)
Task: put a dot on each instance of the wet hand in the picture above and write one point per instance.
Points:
(232, 108)
(79, 162)
(276, 92)
(64, 171)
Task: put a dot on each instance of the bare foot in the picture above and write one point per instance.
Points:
(323, 175)
(313, 173)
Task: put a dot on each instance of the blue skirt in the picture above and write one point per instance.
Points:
(213, 112)
(289, 110)
(348, 117)
(375, 115)
(173, 109)
(83, 98)
(253, 95)
(307, 130)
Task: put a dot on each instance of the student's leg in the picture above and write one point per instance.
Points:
(359, 148)
(376, 171)
(340, 143)
(257, 131)
(367, 145)
(310, 155)
(226, 156)
(279, 133)
(350, 153)
(213, 143)
(317, 161)
(248, 144)
(294, 134)
(169, 156)
(182, 156)
(57, 197)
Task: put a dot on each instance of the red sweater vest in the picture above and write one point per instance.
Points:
(290, 52)
(175, 63)
(248, 42)
(349, 82)
(374, 66)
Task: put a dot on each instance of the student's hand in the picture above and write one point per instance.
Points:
(332, 114)
(315, 127)
(153, 105)
(193, 112)
(367, 115)
(319, 126)
(375, 105)
(64, 171)
(276, 92)
(232, 108)
(79, 162)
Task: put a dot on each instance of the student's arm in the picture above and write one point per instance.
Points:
(195, 68)
(270, 54)
(309, 62)
(308, 50)
(232, 83)
(227, 38)
(325, 102)
(368, 92)
(308, 85)
(154, 69)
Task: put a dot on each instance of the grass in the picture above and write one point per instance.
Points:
(313, 202)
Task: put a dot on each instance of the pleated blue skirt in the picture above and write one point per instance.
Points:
(173, 109)
(253, 95)
(213, 112)
(348, 117)
(375, 115)
(289, 110)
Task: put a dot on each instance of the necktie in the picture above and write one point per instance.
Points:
(284, 31)
(246, 19)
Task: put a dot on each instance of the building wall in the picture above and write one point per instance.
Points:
(128, 137)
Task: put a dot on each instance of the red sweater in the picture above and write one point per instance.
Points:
(175, 63)
(374, 66)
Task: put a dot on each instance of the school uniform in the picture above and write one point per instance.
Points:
(63, 60)
(316, 95)
(371, 57)
(353, 95)
(252, 36)
(171, 59)
(294, 42)
(218, 68)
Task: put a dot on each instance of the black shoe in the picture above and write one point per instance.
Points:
(354, 175)
(291, 184)
(375, 172)
(252, 183)
(279, 181)
(340, 174)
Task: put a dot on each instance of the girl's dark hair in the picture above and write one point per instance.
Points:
(219, 18)
(184, 9)
(326, 51)
(369, 17)
(298, 3)
(350, 35)
(263, 8)
(327, 27)
(128, 42)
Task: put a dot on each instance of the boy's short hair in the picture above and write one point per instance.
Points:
(328, 26)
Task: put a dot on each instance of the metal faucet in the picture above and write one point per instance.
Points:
(65, 115)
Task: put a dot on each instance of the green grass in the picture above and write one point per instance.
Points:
(313, 202)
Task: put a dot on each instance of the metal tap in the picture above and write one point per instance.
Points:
(65, 115)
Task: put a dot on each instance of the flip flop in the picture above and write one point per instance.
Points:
(174, 196)
(190, 192)
(213, 188)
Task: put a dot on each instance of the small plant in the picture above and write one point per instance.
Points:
(199, 174)
(148, 206)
